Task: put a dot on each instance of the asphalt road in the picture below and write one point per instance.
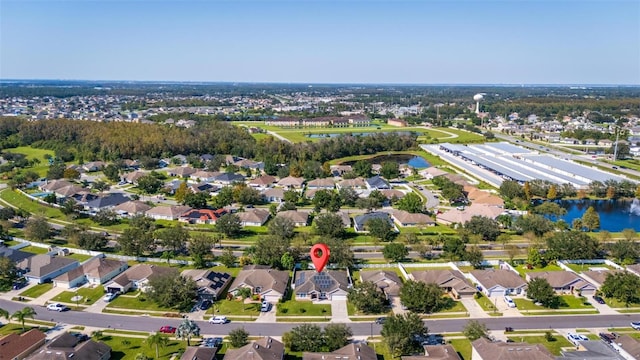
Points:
(143, 323)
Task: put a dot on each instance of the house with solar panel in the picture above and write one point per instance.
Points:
(326, 285)
(211, 284)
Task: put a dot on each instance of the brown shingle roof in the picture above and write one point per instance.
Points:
(348, 352)
(492, 277)
(405, 217)
(99, 267)
(132, 207)
(436, 352)
(13, 345)
(510, 351)
(263, 277)
(254, 215)
(263, 180)
(630, 345)
(266, 348)
(326, 281)
(445, 278)
(559, 279)
(199, 353)
(387, 281)
(43, 264)
(295, 216)
(291, 181)
(141, 272)
(168, 211)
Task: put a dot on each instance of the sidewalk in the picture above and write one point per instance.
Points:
(474, 309)
(42, 299)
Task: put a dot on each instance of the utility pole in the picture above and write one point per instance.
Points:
(615, 149)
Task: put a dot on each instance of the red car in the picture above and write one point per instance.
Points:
(168, 329)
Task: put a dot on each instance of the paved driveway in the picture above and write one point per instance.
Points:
(339, 312)
(475, 311)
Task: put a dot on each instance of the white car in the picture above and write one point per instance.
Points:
(509, 301)
(576, 338)
(218, 320)
(635, 325)
(109, 296)
(57, 307)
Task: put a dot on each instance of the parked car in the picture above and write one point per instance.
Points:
(509, 301)
(381, 320)
(265, 307)
(212, 342)
(205, 304)
(635, 325)
(80, 336)
(608, 338)
(218, 320)
(598, 299)
(57, 307)
(433, 339)
(576, 338)
(167, 329)
(109, 296)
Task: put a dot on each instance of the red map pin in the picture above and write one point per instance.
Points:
(319, 256)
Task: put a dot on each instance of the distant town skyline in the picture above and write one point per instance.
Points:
(362, 42)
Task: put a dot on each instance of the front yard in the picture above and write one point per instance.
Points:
(566, 302)
(487, 305)
(554, 346)
(234, 307)
(523, 270)
(303, 308)
(139, 302)
(89, 295)
(37, 290)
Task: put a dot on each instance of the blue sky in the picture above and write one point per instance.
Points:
(430, 42)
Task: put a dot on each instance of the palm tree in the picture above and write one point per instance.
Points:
(158, 340)
(187, 329)
(22, 315)
(4, 314)
(167, 255)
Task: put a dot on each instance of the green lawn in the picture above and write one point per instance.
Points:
(522, 269)
(487, 305)
(567, 302)
(33, 153)
(32, 206)
(463, 347)
(457, 306)
(137, 303)
(89, 295)
(126, 348)
(553, 346)
(35, 249)
(303, 308)
(79, 257)
(235, 307)
(17, 328)
(614, 303)
(37, 290)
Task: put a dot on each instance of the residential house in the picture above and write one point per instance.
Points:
(627, 347)
(405, 218)
(211, 284)
(132, 208)
(326, 183)
(251, 164)
(498, 282)
(392, 194)
(167, 212)
(96, 271)
(339, 170)
(397, 122)
(357, 183)
(273, 195)
(483, 349)
(204, 176)
(291, 182)
(133, 177)
(359, 121)
(108, 201)
(451, 281)
(136, 277)
(70, 191)
(67, 346)
(435, 352)
(229, 178)
(270, 284)
(592, 350)
(43, 268)
(199, 353)
(206, 157)
(377, 183)
(360, 221)
(254, 217)
(605, 142)
(262, 182)
(202, 216)
(14, 346)
(597, 277)
(14, 255)
(565, 282)
(299, 218)
(93, 166)
(326, 285)
(266, 348)
(346, 219)
(388, 282)
(53, 185)
(482, 197)
(353, 351)
(461, 216)
(181, 171)
(179, 159)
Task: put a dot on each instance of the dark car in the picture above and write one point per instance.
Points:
(598, 299)
(381, 320)
(609, 338)
(205, 305)
(212, 342)
(80, 336)
(168, 329)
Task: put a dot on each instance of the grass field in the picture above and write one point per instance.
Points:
(303, 308)
(463, 347)
(24, 203)
(127, 347)
(522, 269)
(554, 346)
(37, 290)
(137, 303)
(567, 302)
(235, 307)
(89, 295)
(487, 305)
(33, 153)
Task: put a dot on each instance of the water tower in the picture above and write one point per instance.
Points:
(477, 98)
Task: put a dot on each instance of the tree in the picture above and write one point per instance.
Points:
(341, 253)
(37, 229)
(488, 228)
(136, 241)
(629, 234)
(395, 252)
(380, 228)
(511, 189)
(475, 330)
(238, 337)
(306, 337)
(91, 241)
(223, 198)
(200, 249)
(367, 298)
(624, 151)
(421, 297)
(336, 336)
(228, 258)
(50, 198)
(149, 184)
(174, 238)
(282, 227)
(348, 196)
(8, 273)
(181, 192)
(157, 340)
(400, 332)
(173, 291)
(550, 208)
(291, 196)
(623, 286)
(329, 225)
(268, 250)
(572, 245)
(187, 329)
(4, 314)
(611, 192)
(534, 223)
(526, 188)
(591, 219)
(106, 217)
(411, 203)
(56, 170)
(70, 207)
(454, 249)
(229, 224)
(24, 314)
(196, 200)
(625, 251)
(552, 194)
(362, 168)
(475, 257)
(112, 173)
(389, 170)
(540, 291)
(287, 261)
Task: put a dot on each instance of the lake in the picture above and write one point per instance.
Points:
(417, 162)
(615, 215)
